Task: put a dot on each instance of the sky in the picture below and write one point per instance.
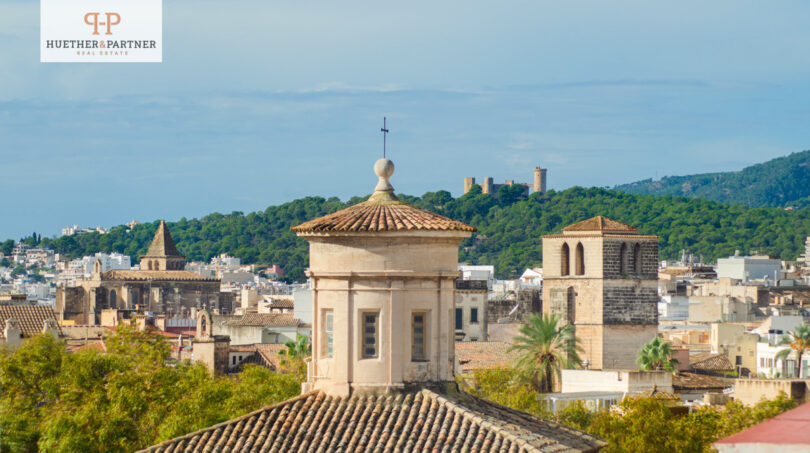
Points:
(259, 102)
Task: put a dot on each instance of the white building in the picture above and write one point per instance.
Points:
(749, 268)
(673, 308)
(469, 272)
(109, 262)
(225, 261)
(769, 366)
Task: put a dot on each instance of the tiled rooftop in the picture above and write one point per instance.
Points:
(710, 362)
(475, 355)
(421, 420)
(381, 212)
(31, 318)
(153, 275)
(265, 320)
(694, 381)
(600, 223)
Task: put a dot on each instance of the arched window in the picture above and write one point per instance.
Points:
(637, 258)
(580, 259)
(113, 301)
(565, 260)
(623, 259)
(149, 264)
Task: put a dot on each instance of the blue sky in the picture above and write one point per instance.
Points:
(261, 102)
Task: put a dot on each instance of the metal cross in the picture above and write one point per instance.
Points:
(384, 130)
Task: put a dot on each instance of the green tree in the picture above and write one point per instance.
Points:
(294, 354)
(545, 346)
(799, 341)
(128, 398)
(656, 355)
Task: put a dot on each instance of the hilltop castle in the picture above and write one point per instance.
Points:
(489, 187)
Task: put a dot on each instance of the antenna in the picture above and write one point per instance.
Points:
(384, 130)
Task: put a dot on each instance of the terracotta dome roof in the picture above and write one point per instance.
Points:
(383, 211)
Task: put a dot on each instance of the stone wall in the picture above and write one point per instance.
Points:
(528, 301)
(750, 391)
(648, 251)
(630, 302)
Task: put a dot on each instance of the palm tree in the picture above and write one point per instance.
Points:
(799, 341)
(656, 355)
(292, 358)
(546, 344)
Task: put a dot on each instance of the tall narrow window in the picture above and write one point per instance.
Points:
(565, 260)
(637, 258)
(418, 326)
(328, 332)
(459, 319)
(580, 259)
(623, 259)
(113, 299)
(473, 316)
(370, 334)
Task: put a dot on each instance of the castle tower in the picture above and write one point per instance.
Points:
(602, 276)
(540, 179)
(468, 183)
(162, 254)
(383, 292)
(488, 186)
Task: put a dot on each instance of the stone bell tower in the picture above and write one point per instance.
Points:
(601, 276)
(383, 290)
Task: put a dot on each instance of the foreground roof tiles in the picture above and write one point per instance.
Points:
(603, 224)
(422, 420)
(31, 318)
(381, 212)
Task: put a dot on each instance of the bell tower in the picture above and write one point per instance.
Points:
(162, 254)
(601, 276)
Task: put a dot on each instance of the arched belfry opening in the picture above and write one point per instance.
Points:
(565, 260)
(580, 259)
(113, 299)
(637, 258)
(623, 259)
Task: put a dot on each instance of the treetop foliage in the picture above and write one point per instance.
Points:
(120, 401)
(784, 181)
(509, 230)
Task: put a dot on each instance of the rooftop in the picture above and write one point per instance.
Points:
(602, 224)
(789, 428)
(421, 420)
(162, 244)
(154, 275)
(31, 318)
(475, 355)
(265, 320)
(382, 212)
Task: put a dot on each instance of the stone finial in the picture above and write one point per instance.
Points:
(13, 333)
(384, 168)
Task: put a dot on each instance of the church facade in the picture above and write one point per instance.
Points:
(161, 286)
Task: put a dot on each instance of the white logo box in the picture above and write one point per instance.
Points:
(101, 31)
